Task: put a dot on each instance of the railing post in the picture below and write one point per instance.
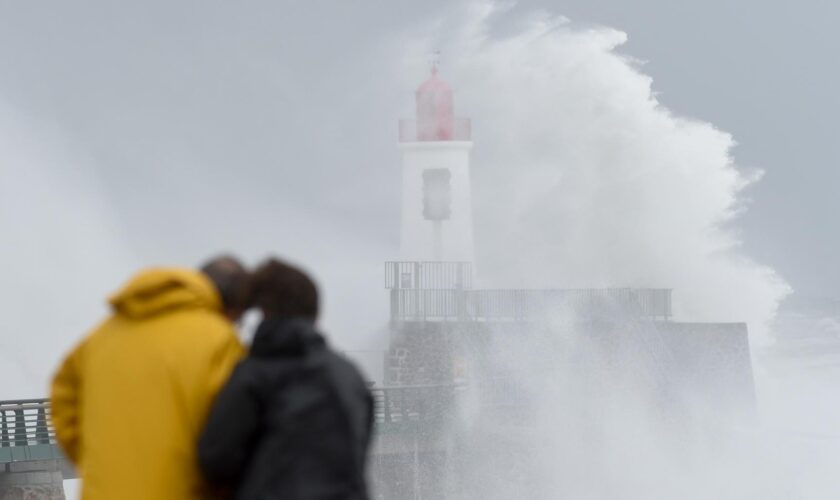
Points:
(416, 287)
(386, 407)
(514, 305)
(20, 429)
(402, 409)
(42, 433)
(395, 298)
(4, 434)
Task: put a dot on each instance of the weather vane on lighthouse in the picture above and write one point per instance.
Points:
(434, 62)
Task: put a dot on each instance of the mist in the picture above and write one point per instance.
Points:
(583, 179)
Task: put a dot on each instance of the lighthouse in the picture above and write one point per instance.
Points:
(436, 201)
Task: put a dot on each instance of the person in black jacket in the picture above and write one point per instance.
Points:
(295, 419)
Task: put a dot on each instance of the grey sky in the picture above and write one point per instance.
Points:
(208, 125)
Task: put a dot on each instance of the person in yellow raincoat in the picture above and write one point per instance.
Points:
(129, 402)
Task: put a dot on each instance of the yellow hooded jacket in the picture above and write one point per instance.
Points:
(129, 402)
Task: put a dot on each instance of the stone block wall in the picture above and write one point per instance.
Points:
(420, 353)
(33, 480)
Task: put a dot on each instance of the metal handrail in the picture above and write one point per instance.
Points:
(428, 275)
(25, 422)
(525, 304)
(412, 131)
(35, 401)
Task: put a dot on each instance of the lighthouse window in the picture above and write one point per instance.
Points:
(437, 194)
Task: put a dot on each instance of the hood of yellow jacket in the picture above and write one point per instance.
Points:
(156, 290)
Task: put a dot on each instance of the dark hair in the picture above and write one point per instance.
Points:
(283, 290)
(232, 281)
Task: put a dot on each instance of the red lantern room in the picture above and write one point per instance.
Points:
(435, 120)
(435, 113)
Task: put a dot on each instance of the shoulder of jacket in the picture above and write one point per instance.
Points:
(217, 333)
(254, 377)
(212, 321)
(347, 370)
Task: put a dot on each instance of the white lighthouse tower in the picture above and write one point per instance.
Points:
(436, 199)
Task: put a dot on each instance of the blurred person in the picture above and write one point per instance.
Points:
(130, 400)
(294, 421)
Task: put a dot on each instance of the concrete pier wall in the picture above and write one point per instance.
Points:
(34, 480)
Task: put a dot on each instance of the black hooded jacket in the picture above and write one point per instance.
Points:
(293, 422)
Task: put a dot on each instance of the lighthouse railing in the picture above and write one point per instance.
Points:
(431, 275)
(461, 130)
(412, 304)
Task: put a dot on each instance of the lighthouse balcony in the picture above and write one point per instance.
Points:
(620, 304)
(428, 275)
(453, 129)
